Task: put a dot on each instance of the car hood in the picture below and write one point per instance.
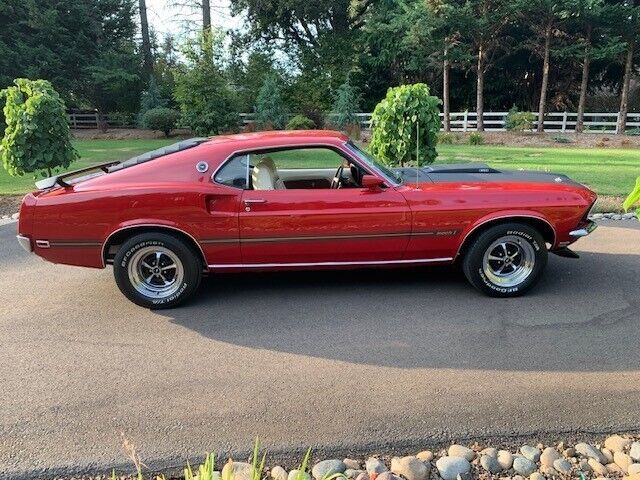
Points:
(478, 173)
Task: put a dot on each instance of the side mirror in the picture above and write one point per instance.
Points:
(371, 182)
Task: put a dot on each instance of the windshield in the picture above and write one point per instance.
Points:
(394, 178)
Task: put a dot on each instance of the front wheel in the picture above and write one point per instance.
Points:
(156, 270)
(506, 260)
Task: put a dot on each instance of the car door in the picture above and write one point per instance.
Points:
(323, 225)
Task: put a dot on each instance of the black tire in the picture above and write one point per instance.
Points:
(168, 286)
(525, 253)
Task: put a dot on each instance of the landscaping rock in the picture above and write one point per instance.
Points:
(387, 476)
(279, 473)
(622, 460)
(450, 467)
(523, 466)
(633, 468)
(597, 467)
(363, 476)
(490, 451)
(352, 473)
(505, 459)
(634, 451)
(425, 456)
(490, 464)
(608, 454)
(296, 475)
(530, 453)
(584, 466)
(327, 468)
(590, 451)
(410, 468)
(569, 452)
(548, 471)
(374, 465)
(562, 466)
(616, 443)
(461, 451)
(536, 476)
(351, 463)
(548, 456)
(15, 216)
(237, 470)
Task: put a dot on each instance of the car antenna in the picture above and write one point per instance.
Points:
(417, 150)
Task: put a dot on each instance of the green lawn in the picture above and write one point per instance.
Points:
(607, 171)
(91, 151)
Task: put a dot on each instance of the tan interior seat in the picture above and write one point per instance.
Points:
(265, 176)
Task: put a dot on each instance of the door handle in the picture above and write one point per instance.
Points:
(249, 201)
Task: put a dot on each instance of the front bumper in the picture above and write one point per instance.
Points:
(25, 242)
(584, 231)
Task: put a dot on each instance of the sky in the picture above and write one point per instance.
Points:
(164, 17)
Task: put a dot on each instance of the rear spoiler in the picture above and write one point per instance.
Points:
(59, 180)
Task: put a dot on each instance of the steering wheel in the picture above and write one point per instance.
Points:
(337, 178)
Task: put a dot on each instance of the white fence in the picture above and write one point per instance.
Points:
(495, 121)
(460, 121)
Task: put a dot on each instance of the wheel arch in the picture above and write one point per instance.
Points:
(545, 228)
(120, 235)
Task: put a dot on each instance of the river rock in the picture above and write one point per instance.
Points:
(634, 451)
(490, 464)
(505, 459)
(374, 465)
(622, 460)
(363, 476)
(450, 467)
(597, 467)
(298, 475)
(548, 456)
(327, 468)
(279, 473)
(616, 443)
(352, 473)
(536, 476)
(633, 468)
(548, 471)
(530, 453)
(461, 451)
(590, 451)
(562, 466)
(410, 468)
(351, 463)
(425, 456)
(608, 454)
(490, 451)
(569, 452)
(237, 470)
(523, 466)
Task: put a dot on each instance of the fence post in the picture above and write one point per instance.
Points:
(564, 122)
(464, 121)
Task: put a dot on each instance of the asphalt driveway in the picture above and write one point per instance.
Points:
(348, 362)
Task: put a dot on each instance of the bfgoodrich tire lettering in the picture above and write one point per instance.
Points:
(156, 270)
(505, 260)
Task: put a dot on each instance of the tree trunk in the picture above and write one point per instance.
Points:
(584, 83)
(445, 89)
(545, 77)
(624, 97)
(480, 91)
(206, 15)
(146, 41)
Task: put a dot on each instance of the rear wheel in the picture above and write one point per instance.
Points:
(156, 270)
(506, 260)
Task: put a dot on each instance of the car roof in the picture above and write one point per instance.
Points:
(278, 137)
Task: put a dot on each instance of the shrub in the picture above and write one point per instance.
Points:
(207, 105)
(315, 114)
(271, 112)
(300, 122)
(476, 139)
(37, 135)
(162, 119)
(519, 121)
(446, 138)
(561, 139)
(345, 106)
(149, 99)
(406, 114)
(633, 198)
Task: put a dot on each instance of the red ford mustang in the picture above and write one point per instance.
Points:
(293, 200)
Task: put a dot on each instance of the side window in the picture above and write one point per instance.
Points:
(235, 172)
(303, 158)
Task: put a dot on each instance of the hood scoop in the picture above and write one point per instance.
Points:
(461, 168)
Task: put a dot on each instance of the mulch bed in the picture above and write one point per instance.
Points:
(9, 204)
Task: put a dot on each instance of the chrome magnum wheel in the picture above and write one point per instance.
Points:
(505, 260)
(157, 270)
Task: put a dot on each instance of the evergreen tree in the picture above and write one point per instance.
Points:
(271, 111)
